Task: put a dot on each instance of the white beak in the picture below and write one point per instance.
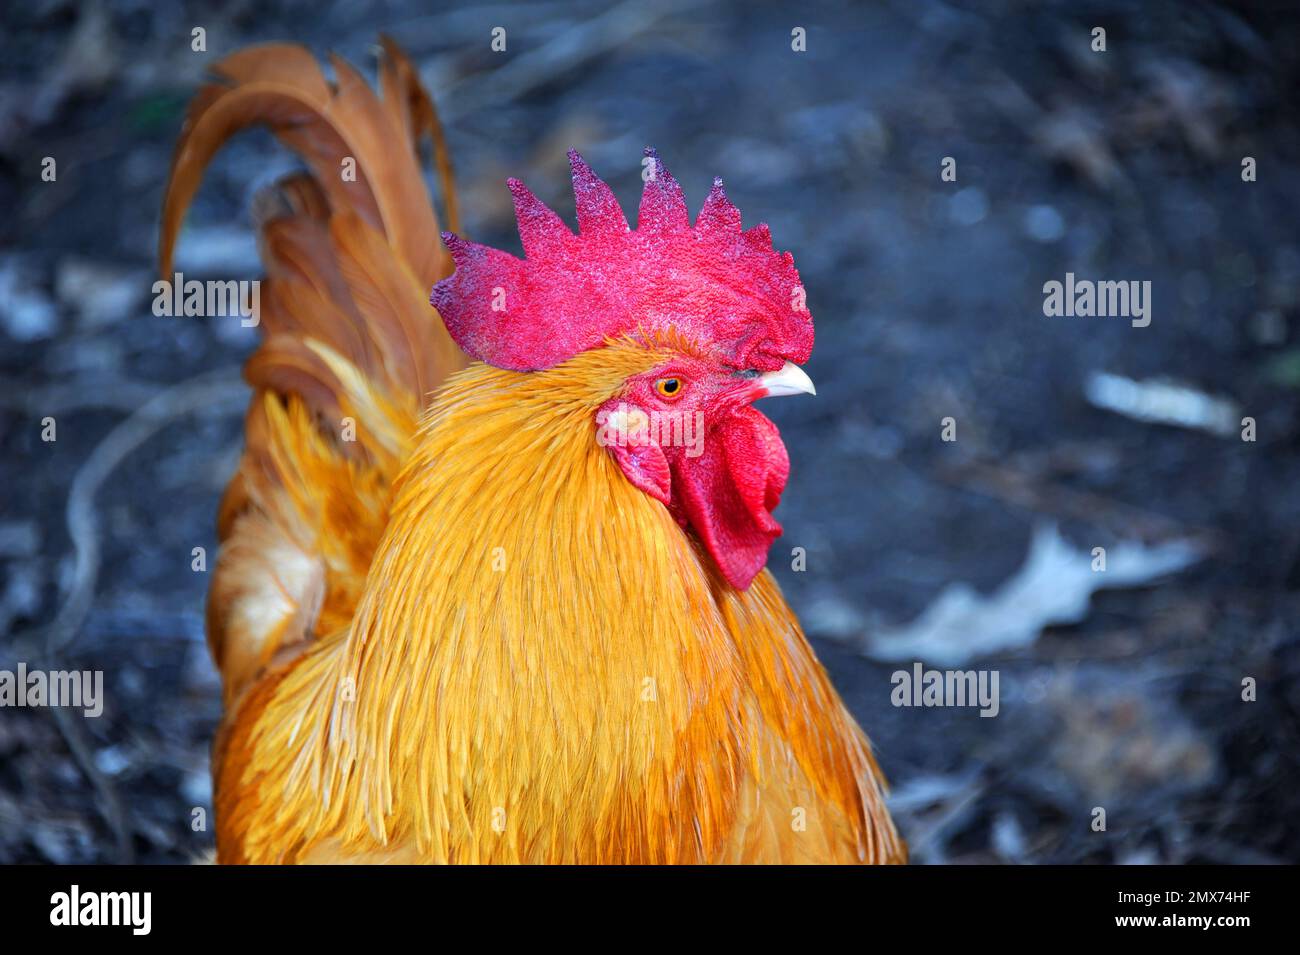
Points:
(790, 380)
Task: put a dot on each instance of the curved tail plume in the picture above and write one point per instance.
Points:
(351, 349)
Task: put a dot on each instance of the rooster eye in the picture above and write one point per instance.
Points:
(669, 387)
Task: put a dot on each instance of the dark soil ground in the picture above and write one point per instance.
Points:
(928, 295)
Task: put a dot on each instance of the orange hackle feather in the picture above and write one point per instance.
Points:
(464, 636)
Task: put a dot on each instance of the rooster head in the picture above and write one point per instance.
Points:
(721, 310)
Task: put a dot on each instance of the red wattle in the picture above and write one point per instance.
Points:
(728, 493)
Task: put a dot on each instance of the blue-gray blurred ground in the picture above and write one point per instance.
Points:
(928, 302)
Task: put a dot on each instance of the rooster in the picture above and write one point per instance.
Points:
(491, 585)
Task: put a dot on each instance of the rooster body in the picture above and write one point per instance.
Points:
(459, 628)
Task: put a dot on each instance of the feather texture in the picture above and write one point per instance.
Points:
(350, 353)
(449, 629)
(512, 693)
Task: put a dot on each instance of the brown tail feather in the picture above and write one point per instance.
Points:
(351, 348)
(404, 93)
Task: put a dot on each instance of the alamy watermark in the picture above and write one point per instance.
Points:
(72, 688)
(133, 910)
(626, 426)
(1085, 298)
(210, 299)
(922, 687)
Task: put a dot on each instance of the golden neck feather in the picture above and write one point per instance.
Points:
(544, 667)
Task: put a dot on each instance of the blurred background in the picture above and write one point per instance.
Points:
(1120, 690)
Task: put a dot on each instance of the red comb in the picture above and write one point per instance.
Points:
(727, 290)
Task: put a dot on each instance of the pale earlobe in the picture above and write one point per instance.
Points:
(624, 430)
